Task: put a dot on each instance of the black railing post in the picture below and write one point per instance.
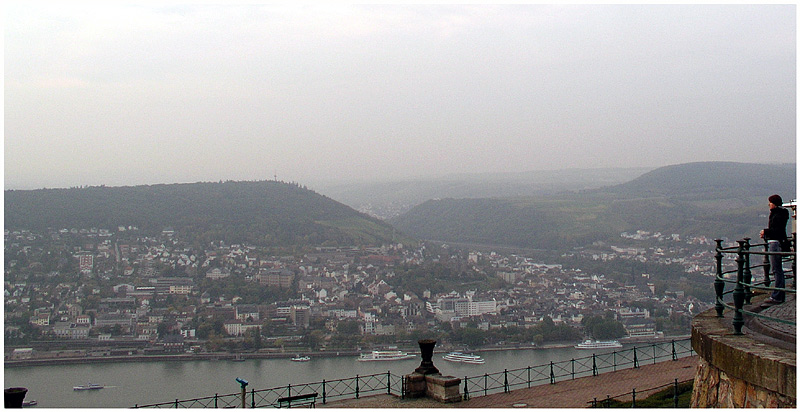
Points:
(635, 359)
(675, 394)
(552, 375)
(389, 382)
(529, 376)
(674, 354)
(594, 403)
(654, 354)
(176, 404)
(466, 388)
(505, 380)
(485, 384)
(614, 360)
(738, 291)
(767, 266)
(633, 403)
(573, 368)
(253, 398)
(748, 275)
(594, 365)
(324, 394)
(719, 283)
(216, 397)
(357, 388)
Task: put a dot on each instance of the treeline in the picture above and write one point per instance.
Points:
(267, 213)
(665, 277)
(545, 331)
(438, 277)
(603, 327)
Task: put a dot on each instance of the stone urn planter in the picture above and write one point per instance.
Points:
(426, 348)
(13, 397)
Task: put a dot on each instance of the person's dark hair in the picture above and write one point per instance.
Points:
(776, 200)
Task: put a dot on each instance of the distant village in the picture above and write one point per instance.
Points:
(81, 289)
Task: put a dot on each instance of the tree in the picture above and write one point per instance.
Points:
(253, 338)
(472, 336)
(314, 339)
(162, 329)
(348, 327)
(603, 328)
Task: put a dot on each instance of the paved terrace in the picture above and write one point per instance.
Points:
(773, 332)
(565, 394)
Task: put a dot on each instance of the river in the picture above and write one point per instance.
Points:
(138, 383)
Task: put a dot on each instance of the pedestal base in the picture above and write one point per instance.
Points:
(435, 386)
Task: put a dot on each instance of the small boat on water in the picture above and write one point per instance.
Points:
(384, 355)
(238, 358)
(27, 404)
(464, 358)
(299, 358)
(599, 344)
(88, 387)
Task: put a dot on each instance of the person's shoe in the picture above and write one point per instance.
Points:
(770, 302)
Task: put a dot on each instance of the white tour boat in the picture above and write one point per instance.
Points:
(299, 358)
(600, 344)
(464, 358)
(87, 387)
(384, 355)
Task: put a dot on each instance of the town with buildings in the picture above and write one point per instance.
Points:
(99, 286)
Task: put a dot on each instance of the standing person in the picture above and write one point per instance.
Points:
(775, 235)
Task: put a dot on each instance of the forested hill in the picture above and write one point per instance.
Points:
(714, 199)
(709, 180)
(268, 213)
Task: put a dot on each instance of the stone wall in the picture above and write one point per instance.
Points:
(714, 388)
(739, 371)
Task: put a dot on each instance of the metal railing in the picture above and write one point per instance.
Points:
(743, 284)
(550, 373)
(616, 400)
(326, 390)
(389, 383)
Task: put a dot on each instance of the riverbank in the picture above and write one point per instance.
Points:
(227, 356)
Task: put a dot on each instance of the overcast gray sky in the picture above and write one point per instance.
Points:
(123, 95)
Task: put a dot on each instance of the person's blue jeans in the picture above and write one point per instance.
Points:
(776, 263)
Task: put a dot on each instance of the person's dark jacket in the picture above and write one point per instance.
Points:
(776, 230)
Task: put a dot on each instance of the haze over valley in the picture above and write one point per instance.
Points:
(204, 182)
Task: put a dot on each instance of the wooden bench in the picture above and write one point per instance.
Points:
(307, 400)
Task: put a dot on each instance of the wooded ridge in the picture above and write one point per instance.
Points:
(265, 213)
(716, 199)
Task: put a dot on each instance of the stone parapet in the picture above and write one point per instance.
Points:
(738, 370)
(443, 388)
(415, 385)
(435, 386)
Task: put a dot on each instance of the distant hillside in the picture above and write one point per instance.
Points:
(389, 199)
(264, 213)
(706, 180)
(713, 199)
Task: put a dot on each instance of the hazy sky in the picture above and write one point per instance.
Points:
(121, 95)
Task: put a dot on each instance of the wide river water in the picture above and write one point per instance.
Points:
(140, 383)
